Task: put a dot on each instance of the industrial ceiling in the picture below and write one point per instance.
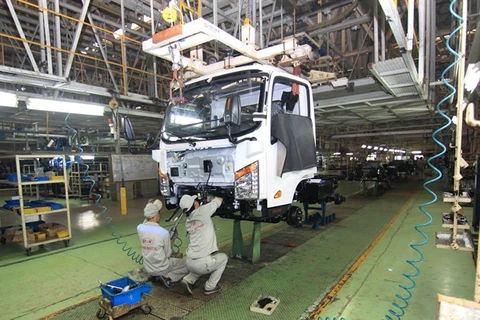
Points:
(73, 50)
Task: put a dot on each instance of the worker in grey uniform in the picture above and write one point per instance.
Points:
(157, 248)
(202, 252)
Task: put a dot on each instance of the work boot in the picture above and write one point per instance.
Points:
(214, 290)
(188, 286)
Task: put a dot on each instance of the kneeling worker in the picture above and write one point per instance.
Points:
(157, 247)
(202, 255)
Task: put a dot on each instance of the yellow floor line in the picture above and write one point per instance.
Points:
(56, 313)
(333, 292)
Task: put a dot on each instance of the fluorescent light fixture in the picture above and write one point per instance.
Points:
(416, 152)
(369, 147)
(375, 148)
(381, 149)
(349, 154)
(65, 106)
(364, 146)
(72, 158)
(336, 153)
(135, 26)
(118, 33)
(391, 150)
(9, 100)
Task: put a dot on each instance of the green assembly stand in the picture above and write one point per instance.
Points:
(238, 247)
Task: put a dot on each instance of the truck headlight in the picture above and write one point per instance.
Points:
(246, 182)
(164, 183)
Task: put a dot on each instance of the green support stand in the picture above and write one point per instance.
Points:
(238, 248)
(254, 254)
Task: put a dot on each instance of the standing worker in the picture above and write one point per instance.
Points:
(421, 168)
(202, 252)
(157, 248)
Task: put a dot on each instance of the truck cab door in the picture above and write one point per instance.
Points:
(289, 102)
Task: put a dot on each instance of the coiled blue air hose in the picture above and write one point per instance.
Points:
(137, 257)
(398, 311)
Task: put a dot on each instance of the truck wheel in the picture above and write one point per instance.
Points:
(294, 216)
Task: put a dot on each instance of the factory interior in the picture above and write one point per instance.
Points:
(327, 149)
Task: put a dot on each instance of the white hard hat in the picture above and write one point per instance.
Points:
(186, 202)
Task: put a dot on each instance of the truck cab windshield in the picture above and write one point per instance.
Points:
(202, 116)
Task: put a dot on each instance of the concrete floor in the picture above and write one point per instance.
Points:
(55, 277)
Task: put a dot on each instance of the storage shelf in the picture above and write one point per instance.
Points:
(460, 199)
(46, 212)
(31, 183)
(464, 226)
(21, 186)
(39, 243)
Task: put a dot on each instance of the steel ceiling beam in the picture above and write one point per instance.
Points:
(102, 51)
(78, 32)
(22, 35)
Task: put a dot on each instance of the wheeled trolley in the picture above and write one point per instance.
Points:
(121, 296)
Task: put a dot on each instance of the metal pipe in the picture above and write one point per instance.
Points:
(470, 116)
(58, 39)
(281, 20)
(46, 25)
(383, 133)
(421, 49)
(458, 133)
(427, 47)
(22, 35)
(254, 19)
(76, 37)
(122, 47)
(271, 22)
(375, 31)
(215, 13)
(239, 17)
(260, 13)
(433, 49)
(155, 79)
(410, 24)
(42, 34)
(382, 36)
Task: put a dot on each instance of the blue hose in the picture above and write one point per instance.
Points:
(398, 310)
(137, 257)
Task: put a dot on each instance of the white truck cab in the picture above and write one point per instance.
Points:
(246, 134)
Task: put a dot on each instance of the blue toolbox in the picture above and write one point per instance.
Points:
(123, 295)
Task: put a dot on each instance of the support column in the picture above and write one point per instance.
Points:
(375, 31)
(238, 247)
(46, 25)
(58, 39)
(123, 49)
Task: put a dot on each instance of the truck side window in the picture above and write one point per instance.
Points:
(284, 101)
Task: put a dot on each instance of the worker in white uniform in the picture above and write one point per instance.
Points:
(157, 248)
(202, 252)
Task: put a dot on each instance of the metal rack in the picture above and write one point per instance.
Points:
(98, 171)
(20, 184)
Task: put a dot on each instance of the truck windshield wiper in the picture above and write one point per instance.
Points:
(191, 142)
